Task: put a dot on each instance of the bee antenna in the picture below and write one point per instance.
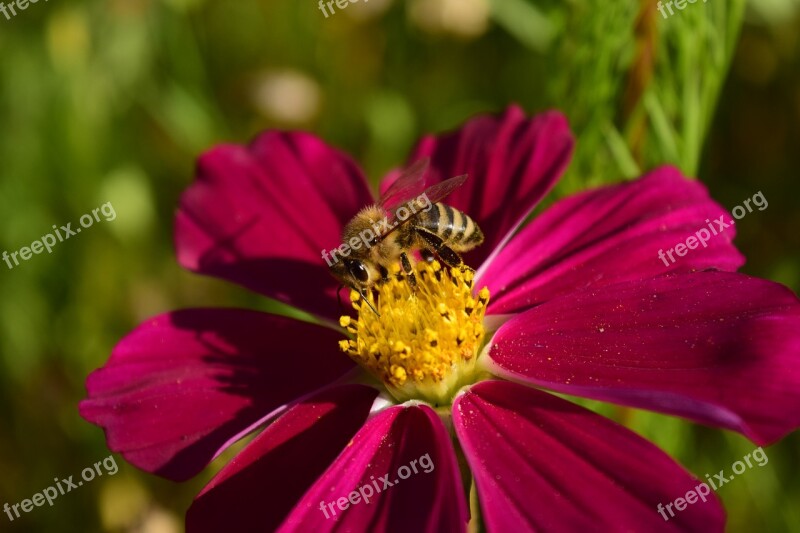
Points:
(364, 296)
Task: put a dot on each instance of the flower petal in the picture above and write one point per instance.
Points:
(284, 460)
(608, 235)
(183, 386)
(402, 440)
(262, 215)
(544, 464)
(717, 347)
(512, 162)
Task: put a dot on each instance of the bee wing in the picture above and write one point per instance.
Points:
(407, 186)
(434, 194)
(411, 184)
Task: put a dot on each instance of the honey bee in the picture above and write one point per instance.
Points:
(407, 217)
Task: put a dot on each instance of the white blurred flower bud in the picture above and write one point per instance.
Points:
(288, 96)
(464, 18)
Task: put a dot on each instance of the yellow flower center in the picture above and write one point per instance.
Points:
(425, 342)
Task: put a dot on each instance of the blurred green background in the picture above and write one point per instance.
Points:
(113, 101)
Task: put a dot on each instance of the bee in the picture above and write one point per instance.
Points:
(407, 218)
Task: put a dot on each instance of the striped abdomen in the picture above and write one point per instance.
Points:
(454, 227)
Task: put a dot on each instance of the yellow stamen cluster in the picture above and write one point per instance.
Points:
(425, 342)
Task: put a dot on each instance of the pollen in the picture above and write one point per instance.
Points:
(424, 342)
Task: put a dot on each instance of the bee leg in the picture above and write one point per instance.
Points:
(384, 273)
(412, 279)
(427, 255)
(448, 256)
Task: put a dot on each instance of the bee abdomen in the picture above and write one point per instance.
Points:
(454, 227)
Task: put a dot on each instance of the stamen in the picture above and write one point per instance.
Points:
(423, 343)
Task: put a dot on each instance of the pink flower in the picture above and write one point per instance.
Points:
(580, 304)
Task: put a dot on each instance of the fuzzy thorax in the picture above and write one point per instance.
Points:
(425, 343)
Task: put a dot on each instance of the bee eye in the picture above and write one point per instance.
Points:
(359, 271)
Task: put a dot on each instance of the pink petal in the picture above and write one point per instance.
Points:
(183, 386)
(544, 464)
(512, 162)
(259, 487)
(717, 347)
(262, 215)
(396, 442)
(609, 235)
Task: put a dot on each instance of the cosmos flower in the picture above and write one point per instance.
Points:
(576, 301)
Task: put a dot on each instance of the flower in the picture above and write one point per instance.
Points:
(576, 302)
